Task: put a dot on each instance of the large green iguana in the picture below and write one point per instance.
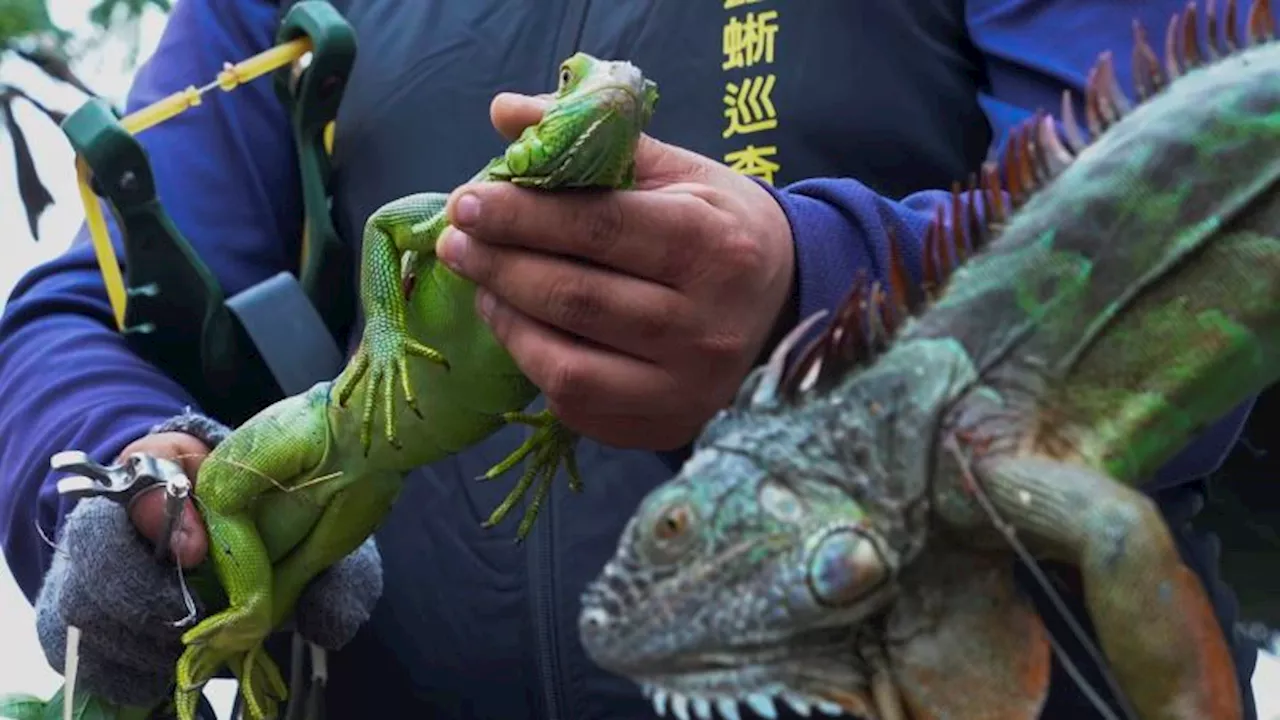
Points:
(840, 538)
(304, 482)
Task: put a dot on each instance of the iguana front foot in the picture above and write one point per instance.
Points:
(550, 444)
(381, 361)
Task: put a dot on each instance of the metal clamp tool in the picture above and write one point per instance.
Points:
(125, 482)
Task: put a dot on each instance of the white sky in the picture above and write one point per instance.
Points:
(23, 667)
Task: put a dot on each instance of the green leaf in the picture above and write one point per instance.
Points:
(104, 12)
(21, 707)
(53, 708)
(19, 18)
(87, 707)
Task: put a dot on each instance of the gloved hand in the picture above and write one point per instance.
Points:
(105, 581)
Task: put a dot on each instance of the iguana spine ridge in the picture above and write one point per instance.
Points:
(866, 321)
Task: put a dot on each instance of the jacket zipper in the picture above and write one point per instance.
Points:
(541, 557)
(541, 563)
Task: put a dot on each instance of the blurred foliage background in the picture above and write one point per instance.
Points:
(28, 32)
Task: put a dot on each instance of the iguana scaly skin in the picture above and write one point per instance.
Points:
(300, 485)
(838, 537)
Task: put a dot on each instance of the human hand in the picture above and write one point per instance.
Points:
(189, 542)
(636, 313)
(104, 580)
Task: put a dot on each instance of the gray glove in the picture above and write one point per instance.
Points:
(105, 581)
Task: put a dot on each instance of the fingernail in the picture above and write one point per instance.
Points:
(452, 248)
(466, 210)
(485, 303)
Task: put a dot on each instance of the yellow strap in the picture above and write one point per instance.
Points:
(231, 77)
(102, 244)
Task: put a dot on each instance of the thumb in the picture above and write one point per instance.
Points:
(189, 542)
(511, 113)
(657, 163)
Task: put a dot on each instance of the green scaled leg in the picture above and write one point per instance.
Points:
(550, 445)
(408, 225)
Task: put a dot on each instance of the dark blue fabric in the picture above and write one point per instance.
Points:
(904, 95)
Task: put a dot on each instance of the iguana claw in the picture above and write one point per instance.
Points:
(196, 667)
(257, 670)
(381, 360)
(551, 443)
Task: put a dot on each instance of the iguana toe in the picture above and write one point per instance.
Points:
(261, 684)
(196, 667)
(347, 383)
(186, 702)
(550, 445)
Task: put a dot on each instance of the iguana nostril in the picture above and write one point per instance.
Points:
(594, 618)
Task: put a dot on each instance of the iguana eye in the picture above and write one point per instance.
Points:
(566, 76)
(671, 533)
(672, 523)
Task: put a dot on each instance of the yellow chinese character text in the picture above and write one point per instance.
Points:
(731, 4)
(748, 105)
(752, 160)
(749, 41)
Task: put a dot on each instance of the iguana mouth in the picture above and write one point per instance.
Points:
(761, 703)
(704, 695)
(816, 671)
(622, 97)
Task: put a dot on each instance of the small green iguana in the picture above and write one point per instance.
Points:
(841, 537)
(304, 482)
(300, 485)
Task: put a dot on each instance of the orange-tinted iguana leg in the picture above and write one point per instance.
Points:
(1152, 617)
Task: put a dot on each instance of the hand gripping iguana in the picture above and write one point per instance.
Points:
(841, 536)
(301, 484)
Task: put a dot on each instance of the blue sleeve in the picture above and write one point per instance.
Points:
(227, 173)
(840, 225)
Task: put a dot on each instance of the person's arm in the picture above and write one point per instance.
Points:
(226, 171)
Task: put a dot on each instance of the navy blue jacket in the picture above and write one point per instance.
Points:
(889, 99)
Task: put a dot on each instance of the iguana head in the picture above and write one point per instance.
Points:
(588, 135)
(742, 580)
